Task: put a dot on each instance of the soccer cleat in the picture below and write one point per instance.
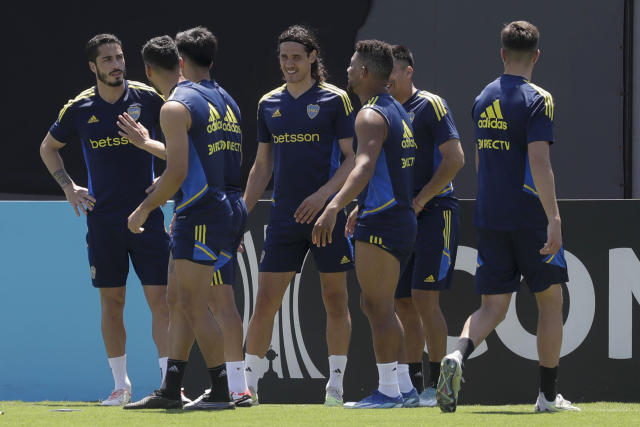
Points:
(156, 400)
(183, 397)
(118, 397)
(449, 383)
(333, 397)
(558, 405)
(206, 403)
(242, 400)
(428, 398)
(254, 396)
(376, 400)
(411, 399)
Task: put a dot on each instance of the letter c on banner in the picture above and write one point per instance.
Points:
(581, 311)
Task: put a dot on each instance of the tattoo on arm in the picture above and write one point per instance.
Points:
(62, 177)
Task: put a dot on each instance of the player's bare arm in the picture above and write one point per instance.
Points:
(542, 173)
(371, 130)
(139, 136)
(259, 175)
(77, 196)
(452, 162)
(175, 121)
(313, 204)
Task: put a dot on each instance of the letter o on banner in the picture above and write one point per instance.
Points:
(581, 312)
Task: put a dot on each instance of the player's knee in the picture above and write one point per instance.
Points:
(267, 304)
(336, 303)
(405, 308)
(376, 309)
(112, 303)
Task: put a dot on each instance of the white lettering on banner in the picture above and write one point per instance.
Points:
(581, 312)
(624, 285)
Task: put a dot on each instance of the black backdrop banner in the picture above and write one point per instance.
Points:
(601, 300)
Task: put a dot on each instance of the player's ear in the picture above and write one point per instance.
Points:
(536, 56)
(313, 56)
(410, 71)
(503, 55)
(92, 66)
(147, 70)
(181, 60)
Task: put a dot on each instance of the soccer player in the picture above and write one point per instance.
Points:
(119, 173)
(439, 157)
(202, 237)
(386, 223)
(221, 298)
(516, 214)
(304, 127)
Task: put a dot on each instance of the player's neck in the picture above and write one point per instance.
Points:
(298, 88)
(165, 86)
(406, 93)
(368, 92)
(110, 93)
(517, 69)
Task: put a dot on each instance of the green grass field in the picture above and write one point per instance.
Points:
(91, 414)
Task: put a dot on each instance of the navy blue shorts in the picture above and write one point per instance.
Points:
(432, 262)
(503, 256)
(287, 243)
(227, 274)
(111, 244)
(205, 235)
(393, 230)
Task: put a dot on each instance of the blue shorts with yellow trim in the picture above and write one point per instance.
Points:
(505, 256)
(287, 243)
(393, 230)
(227, 274)
(204, 236)
(431, 265)
(110, 244)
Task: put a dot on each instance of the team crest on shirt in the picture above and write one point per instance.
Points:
(134, 111)
(313, 110)
(93, 272)
(412, 116)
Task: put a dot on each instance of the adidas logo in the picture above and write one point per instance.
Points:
(417, 374)
(407, 137)
(345, 260)
(277, 113)
(174, 368)
(230, 117)
(222, 373)
(492, 117)
(93, 119)
(337, 371)
(248, 369)
(430, 279)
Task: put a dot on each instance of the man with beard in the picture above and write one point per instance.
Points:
(119, 173)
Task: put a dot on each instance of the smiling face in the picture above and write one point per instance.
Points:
(109, 66)
(295, 62)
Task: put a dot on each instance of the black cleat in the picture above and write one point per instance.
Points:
(205, 402)
(156, 400)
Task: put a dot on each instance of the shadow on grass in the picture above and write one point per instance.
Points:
(503, 413)
(66, 405)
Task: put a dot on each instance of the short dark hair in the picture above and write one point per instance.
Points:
(96, 41)
(377, 57)
(198, 45)
(402, 53)
(307, 38)
(520, 36)
(161, 52)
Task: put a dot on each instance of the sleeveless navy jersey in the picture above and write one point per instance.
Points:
(510, 113)
(433, 125)
(118, 172)
(204, 184)
(304, 132)
(233, 152)
(392, 182)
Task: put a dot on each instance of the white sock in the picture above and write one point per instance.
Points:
(119, 371)
(404, 380)
(162, 361)
(337, 365)
(388, 379)
(457, 355)
(255, 367)
(235, 376)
